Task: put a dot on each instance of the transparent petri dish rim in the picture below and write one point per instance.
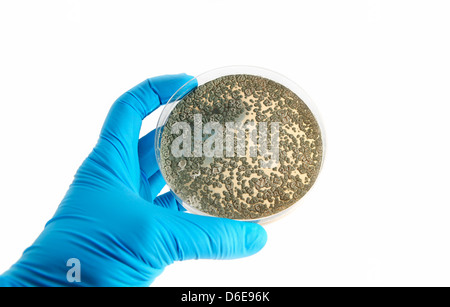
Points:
(239, 70)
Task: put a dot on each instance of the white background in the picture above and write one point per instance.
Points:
(379, 72)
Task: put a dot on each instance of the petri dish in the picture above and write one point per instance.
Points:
(240, 142)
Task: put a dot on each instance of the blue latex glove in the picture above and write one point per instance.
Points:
(111, 221)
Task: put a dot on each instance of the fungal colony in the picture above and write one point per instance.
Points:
(241, 147)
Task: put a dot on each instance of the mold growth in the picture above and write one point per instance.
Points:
(241, 147)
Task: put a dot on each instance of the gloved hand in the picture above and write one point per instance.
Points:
(111, 220)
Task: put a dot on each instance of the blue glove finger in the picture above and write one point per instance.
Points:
(156, 183)
(118, 143)
(203, 237)
(167, 86)
(167, 200)
(151, 187)
(147, 154)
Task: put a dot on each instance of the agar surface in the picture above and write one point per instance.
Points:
(236, 185)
